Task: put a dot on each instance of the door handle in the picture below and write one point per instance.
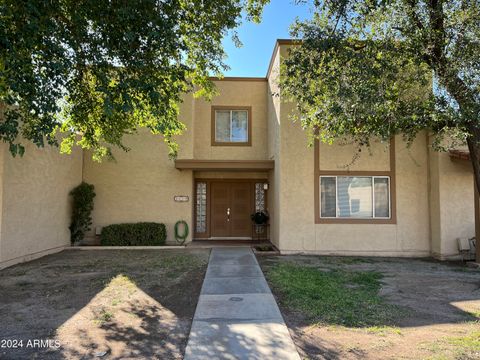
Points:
(228, 214)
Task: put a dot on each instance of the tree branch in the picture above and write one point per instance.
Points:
(413, 15)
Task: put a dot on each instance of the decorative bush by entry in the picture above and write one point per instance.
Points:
(138, 234)
(83, 196)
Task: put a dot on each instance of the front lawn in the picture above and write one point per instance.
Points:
(373, 308)
(333, 296)
(102, 303)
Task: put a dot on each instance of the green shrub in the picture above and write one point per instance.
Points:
(83, 196)
(139, 234)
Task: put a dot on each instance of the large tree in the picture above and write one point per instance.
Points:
(98, 69)
(375, 68)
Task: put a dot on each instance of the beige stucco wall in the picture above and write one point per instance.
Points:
(140, 185)
(298, 232)
(233, 93)
(293, 176)
(346, 156)
(36, 207)
(273, 150)
(296, 198)
(452, 210)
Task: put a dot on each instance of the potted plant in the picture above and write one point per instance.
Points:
(260, 217)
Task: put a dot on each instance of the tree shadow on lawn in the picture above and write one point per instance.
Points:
(136, 303)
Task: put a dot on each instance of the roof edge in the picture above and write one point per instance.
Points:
(237, 78)
(278, 43)
(224, 165)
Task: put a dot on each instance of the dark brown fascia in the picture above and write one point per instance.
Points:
(224, 165)
(237, 78)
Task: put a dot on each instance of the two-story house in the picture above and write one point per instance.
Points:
(241, 153)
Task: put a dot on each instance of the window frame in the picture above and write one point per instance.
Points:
(372, 177)
(214, 110)
(391, 171)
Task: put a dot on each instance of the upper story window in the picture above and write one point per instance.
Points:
(231, 126)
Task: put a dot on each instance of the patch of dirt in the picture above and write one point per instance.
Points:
(110, 304)
(442, 302)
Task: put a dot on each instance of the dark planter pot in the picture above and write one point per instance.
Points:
(260, 218)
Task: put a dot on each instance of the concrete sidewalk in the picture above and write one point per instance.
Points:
(237, 316)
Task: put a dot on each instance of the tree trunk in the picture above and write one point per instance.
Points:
(474, 147)
(477, 221)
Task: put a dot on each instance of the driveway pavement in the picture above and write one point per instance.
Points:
(237, 316)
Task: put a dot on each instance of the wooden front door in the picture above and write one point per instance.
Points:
(231, 206)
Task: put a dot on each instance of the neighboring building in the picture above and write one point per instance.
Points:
(242, 153)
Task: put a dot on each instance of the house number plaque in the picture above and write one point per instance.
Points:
(180, 198)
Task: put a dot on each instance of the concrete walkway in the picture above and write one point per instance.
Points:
(237, 316)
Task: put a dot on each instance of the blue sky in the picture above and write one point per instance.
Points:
(259, 39)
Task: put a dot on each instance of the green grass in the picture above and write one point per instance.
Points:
(383, 330)
(336, 297)
(456, 348)
(466, 347)
(103, 316)
(474, 313)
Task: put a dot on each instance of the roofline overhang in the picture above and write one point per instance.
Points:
(237, 78)
(224, 165)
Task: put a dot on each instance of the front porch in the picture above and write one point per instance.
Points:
(225, 195)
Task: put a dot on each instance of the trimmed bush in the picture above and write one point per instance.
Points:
(138, 234)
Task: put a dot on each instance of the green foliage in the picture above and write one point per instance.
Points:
(97, 70)
(334, 297)
(138, 234)
(365, 69)
(359, 93)
(83, 196)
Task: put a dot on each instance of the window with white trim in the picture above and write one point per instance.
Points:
(231, 126)
(358, 197)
